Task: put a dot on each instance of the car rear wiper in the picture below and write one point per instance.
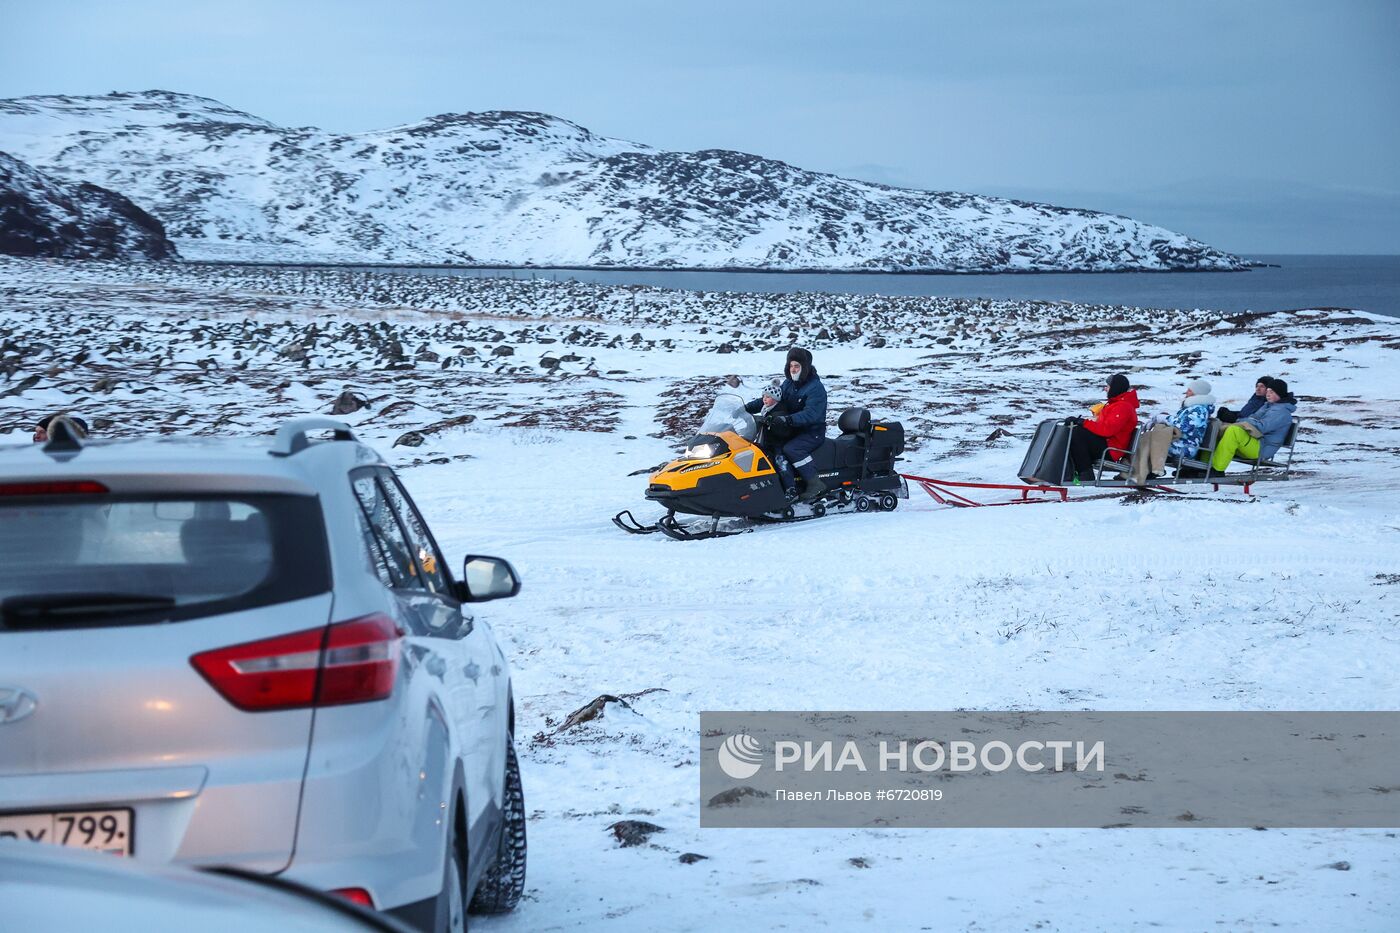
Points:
(49, 608)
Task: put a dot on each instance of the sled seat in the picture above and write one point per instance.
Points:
(1202, 470)
(1289, 440)
(1199, 464)
(1124, 465)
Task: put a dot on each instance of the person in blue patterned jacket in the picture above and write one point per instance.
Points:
(1179, 434)
(1192, 419)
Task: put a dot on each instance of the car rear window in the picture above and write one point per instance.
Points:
(83, 560)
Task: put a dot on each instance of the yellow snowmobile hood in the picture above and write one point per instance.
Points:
(743, 460)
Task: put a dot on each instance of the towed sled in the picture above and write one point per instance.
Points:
(1047, 461)
(725, 483)
(1046, 473)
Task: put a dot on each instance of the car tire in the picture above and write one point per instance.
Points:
(450, 915)
(503, 883)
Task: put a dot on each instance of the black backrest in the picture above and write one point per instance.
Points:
(1210, 438)
(889, 435)
(854, 421)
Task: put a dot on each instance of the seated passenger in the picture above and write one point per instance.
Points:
(1178, 435)
(1259, 436)
(772, 400)
(1250, 407)
(771, 436)
(804, 421)
(1112, 426)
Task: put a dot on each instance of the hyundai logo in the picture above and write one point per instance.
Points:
(16, 703)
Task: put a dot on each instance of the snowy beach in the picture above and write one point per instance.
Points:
(523, 414)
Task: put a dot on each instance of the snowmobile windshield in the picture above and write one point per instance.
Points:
(727, 414)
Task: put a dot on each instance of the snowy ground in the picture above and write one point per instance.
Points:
(1286, 600)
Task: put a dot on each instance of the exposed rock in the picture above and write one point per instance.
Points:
(45, 215)
(734, 795)
(631, 833)
(437, 427)
(690, 858)
(348, 402)
(28, 382)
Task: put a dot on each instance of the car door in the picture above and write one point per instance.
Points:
(457, 649)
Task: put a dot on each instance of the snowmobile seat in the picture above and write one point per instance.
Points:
(839, 453)
(855, 421)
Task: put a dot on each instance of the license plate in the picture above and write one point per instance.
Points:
(100, 830)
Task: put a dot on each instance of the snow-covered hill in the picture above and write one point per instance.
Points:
(43, 216)
(517, 188)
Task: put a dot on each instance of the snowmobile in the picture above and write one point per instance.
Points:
(727, 477)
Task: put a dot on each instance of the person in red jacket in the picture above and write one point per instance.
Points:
(1112, 427)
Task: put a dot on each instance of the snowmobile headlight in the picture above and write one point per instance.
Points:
(701, 451)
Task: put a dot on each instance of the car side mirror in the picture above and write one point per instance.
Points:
(485, 578)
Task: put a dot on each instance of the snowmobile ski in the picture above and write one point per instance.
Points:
(628, 523)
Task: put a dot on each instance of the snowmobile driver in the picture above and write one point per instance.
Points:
(801, 427)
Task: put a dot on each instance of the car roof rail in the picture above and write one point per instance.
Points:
(65, 438)
(291, 437)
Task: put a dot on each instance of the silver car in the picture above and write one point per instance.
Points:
(251, 652)
(50, 889)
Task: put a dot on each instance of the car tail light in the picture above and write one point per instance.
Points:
(82, 487)
(355, 896)
(348, 662)
(360, 661)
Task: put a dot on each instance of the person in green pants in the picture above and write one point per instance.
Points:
(1259, 436)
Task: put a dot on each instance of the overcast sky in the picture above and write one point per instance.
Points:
(1259, 127)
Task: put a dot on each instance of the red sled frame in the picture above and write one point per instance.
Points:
(943, 491)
